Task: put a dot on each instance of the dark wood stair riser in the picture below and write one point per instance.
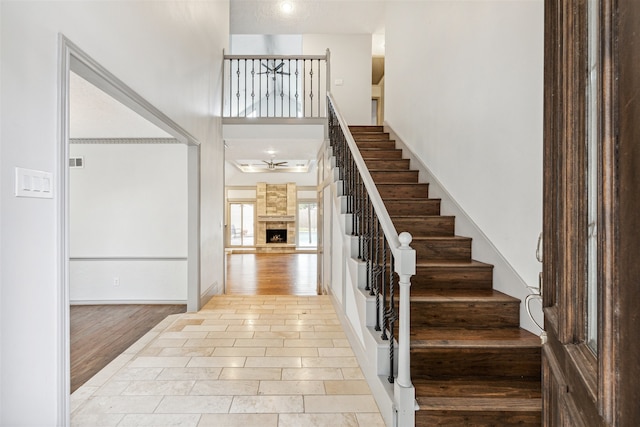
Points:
(466, 314)
(478, 419)
(366, 128)
(368, 137)
(402, 191)
(442, 249)
(415, 207)
(385, 145)
(455, 362)
(394, 176)
(507, 388)
(457, 277)
(366, 133)
(387, 164)
(379, 153)
(426, 226)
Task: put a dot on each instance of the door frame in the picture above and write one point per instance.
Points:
(72, 58)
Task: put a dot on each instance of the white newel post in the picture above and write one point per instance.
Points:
(404, 392)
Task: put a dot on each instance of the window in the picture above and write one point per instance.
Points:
(308, 224)
(241, 224)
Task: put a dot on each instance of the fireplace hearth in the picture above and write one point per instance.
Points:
(277, 236)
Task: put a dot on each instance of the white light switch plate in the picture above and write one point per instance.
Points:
(33, 183)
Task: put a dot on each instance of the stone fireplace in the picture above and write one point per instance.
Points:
(276, 207)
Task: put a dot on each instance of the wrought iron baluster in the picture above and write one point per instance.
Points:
(311, 89)
(372, 249)
(231, 87)
(392, 319)
(354, 195)
(289, 88)
(368, 242)
(244, 86)
(377, 270)
(238, 89)
(319, 82)
(281, 88)
(298, 107)
(253, 88)
(347, 186)
(360, 214)
(383, 278)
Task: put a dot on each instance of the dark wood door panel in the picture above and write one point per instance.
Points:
(591, 385)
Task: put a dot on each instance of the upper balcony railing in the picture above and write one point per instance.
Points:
(275, 87)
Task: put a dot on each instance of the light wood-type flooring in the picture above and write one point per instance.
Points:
(272, 274)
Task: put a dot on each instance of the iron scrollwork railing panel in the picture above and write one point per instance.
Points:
(275, 86)
(378, 241)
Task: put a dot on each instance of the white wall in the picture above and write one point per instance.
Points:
(464, 86)
(351, 63)
(128, 201)
(168, 52)
(265, 44)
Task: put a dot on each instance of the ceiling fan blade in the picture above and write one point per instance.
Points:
(279, 66)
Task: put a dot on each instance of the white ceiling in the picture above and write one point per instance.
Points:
(307, 17)
(254, 143)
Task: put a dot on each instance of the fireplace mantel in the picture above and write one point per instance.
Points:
(276, 218)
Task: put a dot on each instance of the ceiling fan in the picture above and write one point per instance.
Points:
(276, 69)
(271, 165)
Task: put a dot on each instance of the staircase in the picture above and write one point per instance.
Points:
(471, 364)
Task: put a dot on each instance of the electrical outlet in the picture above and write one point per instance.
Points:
(116, 281)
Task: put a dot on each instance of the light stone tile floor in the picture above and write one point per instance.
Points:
(264, 361)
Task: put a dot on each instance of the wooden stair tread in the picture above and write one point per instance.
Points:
(463, 295)
(417, 218)
(441, 238)
(472, 338)
(379, 149)
(391, 170)
(476, 404)
(453, 264)
(483, 388)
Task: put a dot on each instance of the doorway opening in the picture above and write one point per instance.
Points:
(74, 60)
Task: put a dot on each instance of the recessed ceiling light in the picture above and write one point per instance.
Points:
(286, 7)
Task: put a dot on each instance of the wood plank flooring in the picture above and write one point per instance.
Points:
(272, 274)
(99, 333)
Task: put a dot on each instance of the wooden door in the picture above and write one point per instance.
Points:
(591, 268)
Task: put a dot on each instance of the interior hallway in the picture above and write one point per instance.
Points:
(243, 360)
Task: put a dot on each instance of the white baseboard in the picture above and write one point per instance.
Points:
(128, 301)
(209, 293)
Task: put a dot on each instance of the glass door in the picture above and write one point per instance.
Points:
(308, 224)
(241, 224)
